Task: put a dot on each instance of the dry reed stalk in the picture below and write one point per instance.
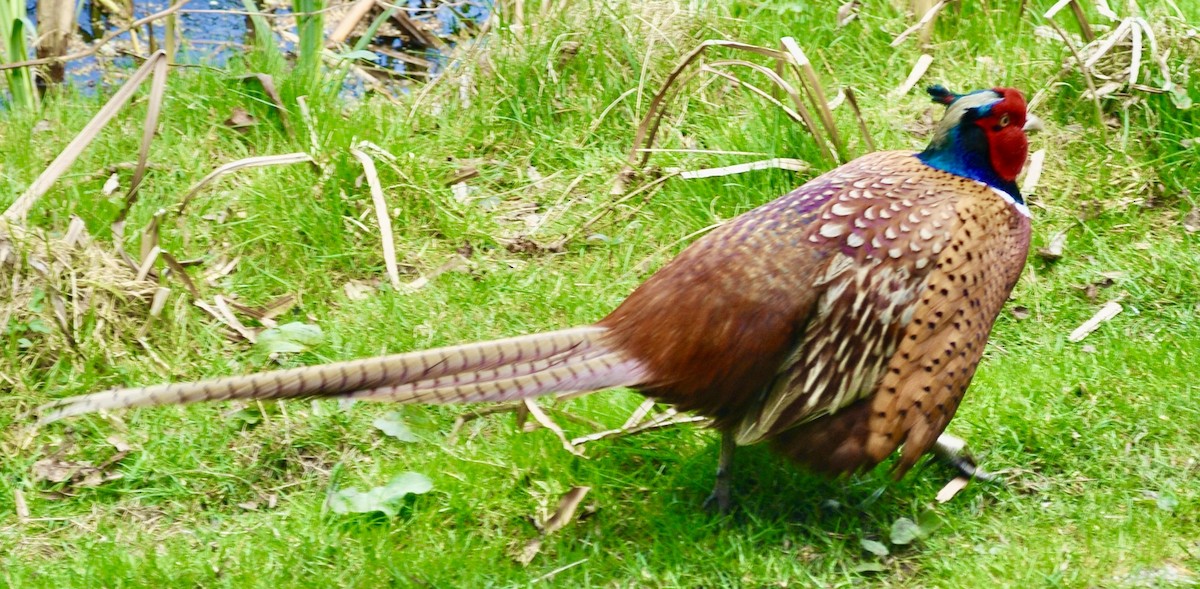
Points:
(350, 20)
(667, 418)
(780, 163)
(858, 116)
(170, 42)
(544, 420)
(268, 85)
(801, 63)
(1084, 26)
(306, 116)
(156, 66)
(649, 125)
(1033, 173)
(382, 216)
(250, 162)
(1085, 70)
(799, 114)
(915, 75)
(924, 23)
(56, 19)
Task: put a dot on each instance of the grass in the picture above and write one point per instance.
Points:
(1102, 436)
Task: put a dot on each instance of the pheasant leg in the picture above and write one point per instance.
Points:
(953, 451)
(722, 493)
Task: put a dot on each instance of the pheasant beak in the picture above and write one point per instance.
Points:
(1033, 124)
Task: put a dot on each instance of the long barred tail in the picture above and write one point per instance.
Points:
(570, 360)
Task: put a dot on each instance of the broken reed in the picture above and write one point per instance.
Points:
(789, 56)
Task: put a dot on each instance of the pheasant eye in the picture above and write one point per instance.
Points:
(1004, 120)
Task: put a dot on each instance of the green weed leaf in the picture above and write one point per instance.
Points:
(393, 425)
(362, 54)
(874, 547)
(1180, 97)
(869, 566)
(289, 338)
(904, 531)
(249, 416)
(383, 499)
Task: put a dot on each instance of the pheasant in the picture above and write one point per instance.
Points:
(837, 323)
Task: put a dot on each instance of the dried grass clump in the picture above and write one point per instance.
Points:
(64, 294)
(1136, 55)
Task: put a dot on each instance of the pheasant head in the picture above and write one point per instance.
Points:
(981, 136)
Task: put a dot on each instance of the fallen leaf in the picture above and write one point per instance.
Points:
(461, 191)
(95, 478)
(848, 12)
(529, 551)
(1191, 223)
(566, 510)
(240, 120)
(393, 425)
(289, 338)
(567, 51)
(58, 471)
(524, 245)
(111, 185)
(462, 175)
(534, 175)
(78, 474)
(119, 443)
(562, 516)
(384, 499)
(358, 290)
(268, 85)
(1054, 249)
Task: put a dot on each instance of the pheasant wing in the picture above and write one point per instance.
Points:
(885, 231)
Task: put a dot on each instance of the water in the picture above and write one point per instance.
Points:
(210, 37)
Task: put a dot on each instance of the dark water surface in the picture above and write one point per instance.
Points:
(212, 37)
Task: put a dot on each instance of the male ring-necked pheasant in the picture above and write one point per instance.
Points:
(837, 322)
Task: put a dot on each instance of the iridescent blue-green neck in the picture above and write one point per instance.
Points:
(963, 151)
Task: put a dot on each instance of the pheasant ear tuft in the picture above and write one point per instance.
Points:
(942, 95)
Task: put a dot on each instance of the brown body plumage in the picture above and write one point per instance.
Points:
(859, 303)
(837, 322)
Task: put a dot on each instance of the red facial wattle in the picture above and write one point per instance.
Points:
(1004, 127)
